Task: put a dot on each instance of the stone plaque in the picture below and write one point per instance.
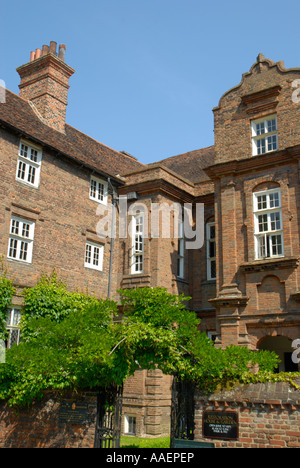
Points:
(73, 412)
(220, 425)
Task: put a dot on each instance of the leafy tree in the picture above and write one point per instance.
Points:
(70, 354)
(74, 341)
(161, 332)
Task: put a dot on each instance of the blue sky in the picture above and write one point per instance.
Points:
(149, 72)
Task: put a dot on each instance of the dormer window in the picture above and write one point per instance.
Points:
(264, 135)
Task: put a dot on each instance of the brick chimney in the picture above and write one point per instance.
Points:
(45, 83)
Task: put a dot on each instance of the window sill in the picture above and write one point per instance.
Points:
(276, 263)
(22, 262)
(93, 269)
(209, 281)
(180, 280)
(104, 202)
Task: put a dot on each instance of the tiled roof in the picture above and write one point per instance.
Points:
(18, 113)
(190, 165)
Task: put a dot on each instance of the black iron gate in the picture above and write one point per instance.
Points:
(183, 411)
(109, 417)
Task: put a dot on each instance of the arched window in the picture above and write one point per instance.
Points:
(268, 228)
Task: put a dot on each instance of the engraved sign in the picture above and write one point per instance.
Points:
(220, 425)
(73, 412)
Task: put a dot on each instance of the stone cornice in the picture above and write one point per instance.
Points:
(237, 166)
(270, 264)
(158, 185)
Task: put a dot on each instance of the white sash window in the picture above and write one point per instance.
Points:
(137, 263)
(21, 237)
(29, 164)
(268, 228)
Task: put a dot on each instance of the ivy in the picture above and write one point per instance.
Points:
(51, 298)
(6, 294)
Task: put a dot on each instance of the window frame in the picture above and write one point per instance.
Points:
(266, 230)
(130, 422)
(137, 253)
(95, 197)
(210, 259)
(17, 239)
(11, 326)
(26, 165)
(94, 246)
(265, 135)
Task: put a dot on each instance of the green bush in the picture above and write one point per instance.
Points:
(6, 294)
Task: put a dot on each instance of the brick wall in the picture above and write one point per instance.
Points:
(60, 235)
(268, 415)
(39, 426)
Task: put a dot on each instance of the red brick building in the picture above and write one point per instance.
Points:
(57, 183)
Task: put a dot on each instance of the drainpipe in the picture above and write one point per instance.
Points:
(112, 238)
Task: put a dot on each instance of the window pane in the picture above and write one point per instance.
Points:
(139, 263)
(21, 170)
(24, 150)
(16, 317)
(14, 227)
(212, 232)
(13, 337)
(31, 174)
(13, 248)
(272, 143)
(274, 200)
(88, 253)
(263, 223)
(260, 128)
(276, 242)
(261, 246)
(262, 202)
(271, 125)
(275, 221)
(34, 155)
(213, 270)
(93, 188)
(212, 250)
(96, 256)
(23, 250)
(25, 230)
(261, 146)
(100, 191)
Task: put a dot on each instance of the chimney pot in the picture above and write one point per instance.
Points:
(53, 47)
(45, 50)
(38, 53)
(32, 56)
(62, 52)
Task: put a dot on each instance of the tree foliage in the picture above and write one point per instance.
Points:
(73, 341)
(6, 294)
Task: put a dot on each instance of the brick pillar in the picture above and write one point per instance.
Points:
(227, 238)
